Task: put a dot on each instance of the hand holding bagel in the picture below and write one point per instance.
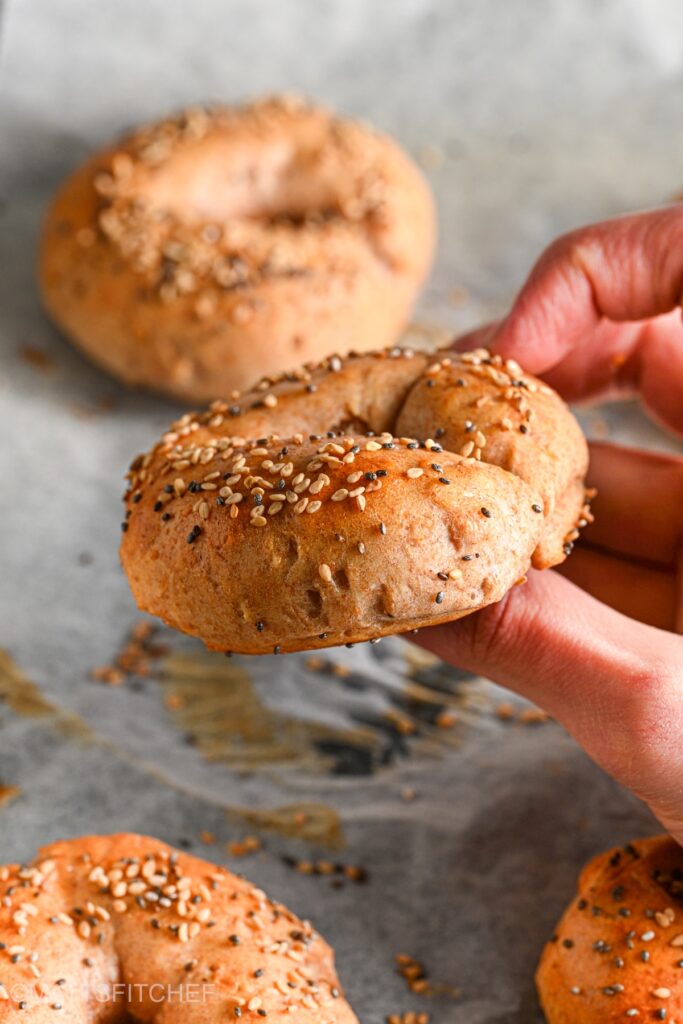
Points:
(599, 646)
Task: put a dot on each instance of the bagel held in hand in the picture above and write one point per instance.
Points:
(207, 249)
(617, 953)
(116, 928)
(303, 514)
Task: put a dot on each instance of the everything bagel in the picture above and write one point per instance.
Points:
(205, 250)
(354, 499)
(118, 928)
(617, 953)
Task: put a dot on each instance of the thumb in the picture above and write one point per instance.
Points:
(614, 683)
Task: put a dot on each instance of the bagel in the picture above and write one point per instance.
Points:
(200, 252)
(123, 927)
(303, 514)
(617, 953)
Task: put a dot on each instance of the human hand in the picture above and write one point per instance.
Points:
(598, 643)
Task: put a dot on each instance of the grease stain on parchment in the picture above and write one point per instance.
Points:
(311, 822)
(215, 702)
(24, 698)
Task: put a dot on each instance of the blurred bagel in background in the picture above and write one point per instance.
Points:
(210, 248)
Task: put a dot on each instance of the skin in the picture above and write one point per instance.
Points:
(599, 643)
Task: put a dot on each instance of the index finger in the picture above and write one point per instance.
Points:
(627, 271)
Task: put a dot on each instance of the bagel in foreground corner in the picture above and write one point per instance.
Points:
(122, 927)
(354, 499)
(205, 250)
(617, 953)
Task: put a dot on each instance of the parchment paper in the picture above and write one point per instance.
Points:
(529, 116)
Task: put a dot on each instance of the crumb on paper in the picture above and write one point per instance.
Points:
(417, 979)
(36, 357)
(8, 793)
(430, 157)
(327, 868)
(135, 657)
(410, 1017)
(458, 296)
(244, 847)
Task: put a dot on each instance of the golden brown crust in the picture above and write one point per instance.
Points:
(105, 926)
(180, 277)
(617, 953)
(291, 517)
(525, 428)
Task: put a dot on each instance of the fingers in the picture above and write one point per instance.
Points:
(645, 593)
(630, 268)
(626, 272)
(616, 685)
(620, 360)
(639, 504)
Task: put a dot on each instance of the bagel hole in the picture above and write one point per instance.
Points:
(275, 188)
(315, 603)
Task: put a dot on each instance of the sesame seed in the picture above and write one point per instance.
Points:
(414, 472)
(440, 596)
(485, 512)
(325, 572)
